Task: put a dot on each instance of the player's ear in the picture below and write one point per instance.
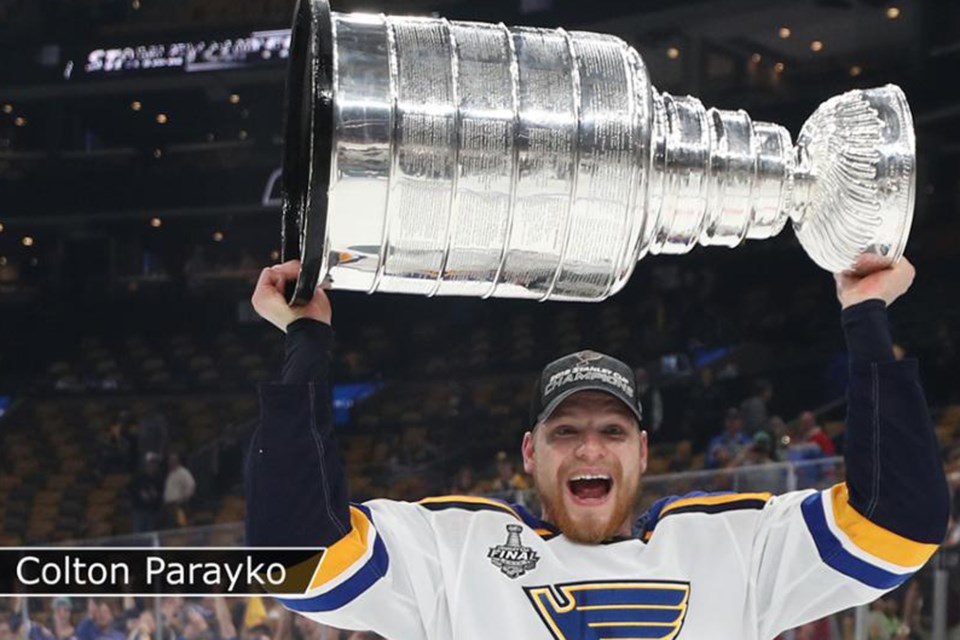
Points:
(643, 452)
(526, 448)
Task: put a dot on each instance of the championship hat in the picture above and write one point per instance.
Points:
(583, 371)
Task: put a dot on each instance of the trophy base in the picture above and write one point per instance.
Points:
(308, 139)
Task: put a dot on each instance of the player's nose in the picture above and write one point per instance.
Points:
(591, 446)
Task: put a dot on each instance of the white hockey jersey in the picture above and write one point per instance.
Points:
(716, 566)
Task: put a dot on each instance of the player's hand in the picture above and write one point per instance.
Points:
(271, 304)
(887, 284)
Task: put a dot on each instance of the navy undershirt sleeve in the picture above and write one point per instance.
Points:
(295, 486)
(894, 473)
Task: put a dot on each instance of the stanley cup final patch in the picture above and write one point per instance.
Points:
(511, 557)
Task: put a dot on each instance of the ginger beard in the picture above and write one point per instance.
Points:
(586, 462)
(589, 527)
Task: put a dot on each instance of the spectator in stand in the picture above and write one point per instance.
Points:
(153, 434)
(310, 630)
(227, 629)
(509, 484)
(465, 483)
(197, 626)
(809, 431)
(145, 627)
(724, 448)
(147, 495)
(102, 621)
(179, 488)
(755, 409)
(650, 400)
(883, 622)
(780, 433)
(118, 447)
(761, 477)
(19, 628)
(62, 622)
(808, 443)
(759, 452)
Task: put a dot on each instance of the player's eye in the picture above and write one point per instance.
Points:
(564, 430)
(614, 431)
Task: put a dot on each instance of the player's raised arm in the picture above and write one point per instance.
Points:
(894, 473)
(819, 552)
(295, 486)
(297, 492)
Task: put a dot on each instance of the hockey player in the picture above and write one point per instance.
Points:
(730, 566)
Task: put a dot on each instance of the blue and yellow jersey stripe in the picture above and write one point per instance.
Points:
(479, 503)
(470, 503)
(348, 568)
(716, 503)
(850, 543)
(697, 502)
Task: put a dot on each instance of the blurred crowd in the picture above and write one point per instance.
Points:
(161, 486)
(170, 618)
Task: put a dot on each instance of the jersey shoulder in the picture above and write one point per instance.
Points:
(481, 504)
(696, 502)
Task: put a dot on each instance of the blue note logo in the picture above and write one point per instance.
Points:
(614, 609)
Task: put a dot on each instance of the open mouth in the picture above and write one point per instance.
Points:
(589, 487)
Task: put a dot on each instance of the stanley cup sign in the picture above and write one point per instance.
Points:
(452, 158)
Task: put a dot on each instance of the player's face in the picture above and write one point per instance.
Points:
(586, 462)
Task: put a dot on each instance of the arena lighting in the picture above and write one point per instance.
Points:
(1, 227)
(785, 32)
(136, 5)
(243, 134)
(20, 121)
(893, 12)
(274, 255)
(234, 98)
(816, 45)
(673, 53)
(156, 223)
(218, 236)
(756, 58)
(136, 105)
(27, 241)
(856, 70)
(8, 108)
(3, 261)
(157, 153)
(162, 118)
(779, 67)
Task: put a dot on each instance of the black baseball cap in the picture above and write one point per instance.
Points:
(583, 371)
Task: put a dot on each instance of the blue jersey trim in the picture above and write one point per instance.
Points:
(834, 555)
(645, 524)
(353, 587)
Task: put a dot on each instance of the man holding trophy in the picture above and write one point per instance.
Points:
(458, 158)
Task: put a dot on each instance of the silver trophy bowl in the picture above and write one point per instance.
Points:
(455, 158)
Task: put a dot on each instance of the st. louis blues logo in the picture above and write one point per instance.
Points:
(512, 558)
(617, 609)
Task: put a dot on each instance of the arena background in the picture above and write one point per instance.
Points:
(137, 206)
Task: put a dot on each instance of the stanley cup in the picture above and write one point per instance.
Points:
(454, 158)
